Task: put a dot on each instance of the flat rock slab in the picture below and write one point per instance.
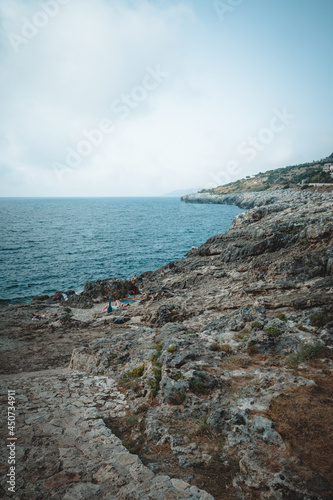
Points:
(63, 448)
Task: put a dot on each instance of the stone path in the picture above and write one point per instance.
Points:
(65, 451)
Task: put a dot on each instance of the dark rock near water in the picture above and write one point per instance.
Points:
(41, 298)
(103, 289)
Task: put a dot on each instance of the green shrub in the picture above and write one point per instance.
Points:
(155, 382)
(136, 373)
(242, 335)
(321, 319)
(281, 316)
(256, 325)
(157, 354)
(196, 386)
(273, 332)
(302, 328)
(308, 352)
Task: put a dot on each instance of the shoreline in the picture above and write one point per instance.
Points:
(248, 200)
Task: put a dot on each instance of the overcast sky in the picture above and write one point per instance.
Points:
(140, 98)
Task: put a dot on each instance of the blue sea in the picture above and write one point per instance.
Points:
(53, 244)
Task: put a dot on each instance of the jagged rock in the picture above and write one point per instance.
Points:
(173, 392)
(236, 320)
(263, 427)
(165, 314)
(103, 289)
(80, 301)
(41, 298)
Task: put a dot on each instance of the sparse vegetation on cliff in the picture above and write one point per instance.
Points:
(291, 176)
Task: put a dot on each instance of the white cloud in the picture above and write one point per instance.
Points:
(89, 55)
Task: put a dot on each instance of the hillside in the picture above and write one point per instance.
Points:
(292, 176)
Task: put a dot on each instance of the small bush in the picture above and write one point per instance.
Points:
(155, 382)
(178, 398)
(226, 348)
(196, 386)
(302, 328)
(136, 373)
(273, 332)
(320, 319)
(309, 352)
(157, 354)
(256, 325)
(242, 335)
(281, 316)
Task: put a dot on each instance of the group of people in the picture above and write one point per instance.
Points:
(124, 305)
(37, 317)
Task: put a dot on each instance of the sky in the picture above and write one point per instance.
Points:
(142, 97)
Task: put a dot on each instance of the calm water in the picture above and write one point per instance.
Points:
(51, 244)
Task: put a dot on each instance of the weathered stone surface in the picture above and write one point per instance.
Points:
(65, 449)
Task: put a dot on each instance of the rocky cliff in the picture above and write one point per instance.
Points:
(218, 384)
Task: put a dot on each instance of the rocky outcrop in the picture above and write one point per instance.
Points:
(103, 289)
(255, 199)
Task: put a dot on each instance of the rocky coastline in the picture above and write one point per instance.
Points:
(254, 199)
(215, 384)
